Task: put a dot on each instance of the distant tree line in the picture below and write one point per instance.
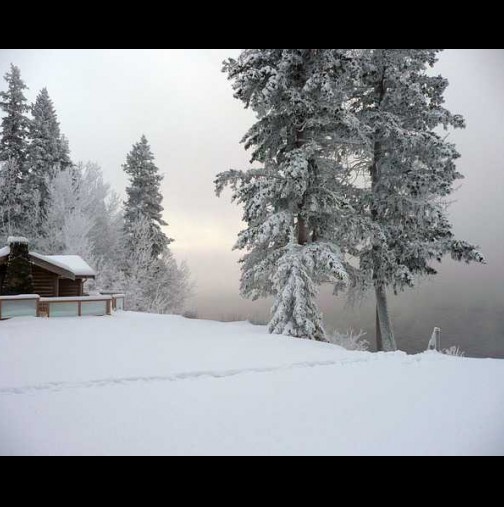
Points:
(67, 208)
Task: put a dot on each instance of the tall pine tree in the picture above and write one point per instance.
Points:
(13, 151)
(14, 132)
(144, 195)
(354, 168)
(410, 169)
(48, 151)
(292, 204)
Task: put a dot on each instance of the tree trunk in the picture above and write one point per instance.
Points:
(379, 341)
(385, 340)
(303, 231)
(384, 323)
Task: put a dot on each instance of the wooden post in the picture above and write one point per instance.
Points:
(435, 341)
(80, 308)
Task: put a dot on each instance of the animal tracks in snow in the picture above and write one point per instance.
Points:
(175, 377)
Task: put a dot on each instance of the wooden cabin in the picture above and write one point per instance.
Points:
(53, 275)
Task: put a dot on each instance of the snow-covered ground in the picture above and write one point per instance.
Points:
(148, 385)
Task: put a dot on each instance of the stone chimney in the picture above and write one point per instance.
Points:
(19, 277)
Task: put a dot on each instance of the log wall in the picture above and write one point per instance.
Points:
(44, 282)
(70, 288)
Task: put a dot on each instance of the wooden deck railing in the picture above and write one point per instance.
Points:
(118, 299)
(34, 306)
(87, 306)
(19, 306)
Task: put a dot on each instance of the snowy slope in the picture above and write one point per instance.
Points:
(145, 384)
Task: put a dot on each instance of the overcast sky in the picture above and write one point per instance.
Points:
(179, 98)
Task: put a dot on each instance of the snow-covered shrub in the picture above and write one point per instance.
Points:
(152, 284)
(454, 351)
(350, 340)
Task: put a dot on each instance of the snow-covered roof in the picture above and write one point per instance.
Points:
(77, 265)
(73, 263)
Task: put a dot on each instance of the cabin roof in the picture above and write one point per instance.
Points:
(69, 266)
(77, 265)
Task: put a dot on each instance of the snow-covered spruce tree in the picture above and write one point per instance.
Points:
(398, 109)
(10, 199)
(151, 278)
(48, 150)
(144, 194)
(20, 213)
(14, 132)
(13, 149)
(292, 204)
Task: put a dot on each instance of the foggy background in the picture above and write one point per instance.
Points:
(106, 99)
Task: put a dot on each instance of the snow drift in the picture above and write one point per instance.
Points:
(138, 384)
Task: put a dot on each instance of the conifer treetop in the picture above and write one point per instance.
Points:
(15, 123)
(144, 193)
